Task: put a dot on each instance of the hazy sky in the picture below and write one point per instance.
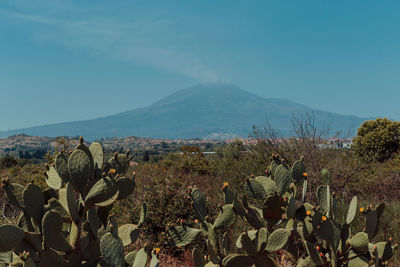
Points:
(66, 60)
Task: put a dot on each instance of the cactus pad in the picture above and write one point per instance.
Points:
(182, 235)
(11, 236)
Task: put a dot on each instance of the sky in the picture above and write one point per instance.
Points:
(63, 60)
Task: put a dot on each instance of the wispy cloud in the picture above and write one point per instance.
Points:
(136, 41)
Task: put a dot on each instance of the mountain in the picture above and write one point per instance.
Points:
(205, 110)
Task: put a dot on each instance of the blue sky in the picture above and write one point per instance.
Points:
(73, 60)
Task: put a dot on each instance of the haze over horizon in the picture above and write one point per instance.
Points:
(68, 60)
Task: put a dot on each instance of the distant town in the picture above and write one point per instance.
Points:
(36, 147)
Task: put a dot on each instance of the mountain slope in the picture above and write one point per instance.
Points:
(197, 111)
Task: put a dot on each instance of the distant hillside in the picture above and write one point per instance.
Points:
(206, 110)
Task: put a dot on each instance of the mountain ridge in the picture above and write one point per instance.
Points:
(198, 111)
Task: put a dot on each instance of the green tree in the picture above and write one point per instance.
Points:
(377, 139)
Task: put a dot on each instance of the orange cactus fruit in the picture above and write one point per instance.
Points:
(323, 218)
(305, 174)
(308, 212)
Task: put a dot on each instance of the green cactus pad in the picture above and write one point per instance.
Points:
(238, 206)
(128, 233)
(198, 258)
(34, 202)
(323, 197)
(274, 164)
(226, 218)
(143, 214)
(85, 149)
(112, 250)
(291, 208)
(51, 258)
(254, 216)
(61, 166)
(25, 247)
(52, 179)
(182, 235)
(72, 205)
(325, 230)
(74, 234)
(371, 224)
(360, 242)
(268, 184)
(120, 163)
(305, 262)
(226, 242)
(94, 221)
(238, 260)
(262, 239)
(252, 235)
(379, 209)
(103, 190)
(92, 251)
(313, 253)
(326, 176)
(5, 258)
(52, 235)
(212, 253)
(199, 204)
(358, 261)
(283, 179)
(255, 189)
(125, 186)
(140, 258)
(229, 196)
(384, 250)
(49, 193)
(304, 191)
(98, 155)
(11, 236)
(248, 245)
(34, 240)
(14, 194)
(297, 171)
(352, 210)
(80, 169)
(25, 223)
(277, 240)
(154, 260)
(55, 205)
(208, 230)
(130, 258)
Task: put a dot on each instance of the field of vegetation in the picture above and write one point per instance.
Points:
(272, 202)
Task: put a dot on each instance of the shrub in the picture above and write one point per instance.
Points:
(377, 139)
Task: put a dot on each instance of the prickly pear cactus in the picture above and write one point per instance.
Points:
(68, 224)
(287, 231)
